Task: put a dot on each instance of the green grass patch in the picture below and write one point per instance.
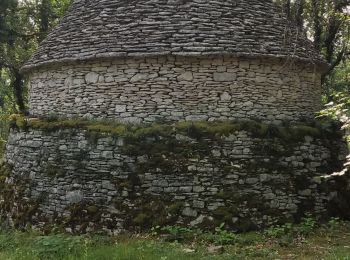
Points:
(307, 240)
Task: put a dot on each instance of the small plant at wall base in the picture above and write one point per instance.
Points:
(222, 236)
(305, 228)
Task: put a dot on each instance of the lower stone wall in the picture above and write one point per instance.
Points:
(83, 181)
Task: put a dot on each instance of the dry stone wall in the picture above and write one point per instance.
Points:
(169, 88)
(85, 181)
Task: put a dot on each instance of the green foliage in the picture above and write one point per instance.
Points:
(339, 109)
(5, 111)
(334, 223)
(18, 121)
(307, 226)
(327, 25)
(289, 230)
(330, 241)
(174, 230)
(8, 240)
(278, 231)
(23, 25)
(222, 237)
(2, 147)
(338, 81)
(56, 246)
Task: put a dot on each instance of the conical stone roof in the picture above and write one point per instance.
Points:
(117, 28)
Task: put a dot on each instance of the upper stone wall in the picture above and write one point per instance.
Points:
(123, 28)
(169, 88)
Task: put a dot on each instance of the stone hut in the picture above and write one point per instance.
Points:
(145, 61)
(216, 91)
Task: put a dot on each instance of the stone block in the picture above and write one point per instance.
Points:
(120, 108)
(189, 212)
(139, 77)
(224, 76)
(74, 197)
(91, 78)
(225, 97)
(186, 76)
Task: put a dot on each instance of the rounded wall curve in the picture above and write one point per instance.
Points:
(178, 88)
(89, 181)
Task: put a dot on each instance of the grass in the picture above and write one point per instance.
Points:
(304, 241)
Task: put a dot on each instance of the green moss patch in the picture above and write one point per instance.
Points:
(196, 130)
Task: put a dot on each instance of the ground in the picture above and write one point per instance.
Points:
(307, 240)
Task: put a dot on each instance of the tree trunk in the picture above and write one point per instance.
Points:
(299, 13)
(44, 11)
(17, 86)
(316, 24)
(287, 8)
